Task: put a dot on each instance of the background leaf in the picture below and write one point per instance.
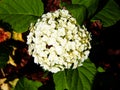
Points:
(3, 59)
(20, 13)
(26, 84)
(91, 5)
(100, 69)
(4, 55)
(77, 79)
(109, 15)
(77, 11)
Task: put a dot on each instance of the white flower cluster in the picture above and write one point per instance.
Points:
(57, 42)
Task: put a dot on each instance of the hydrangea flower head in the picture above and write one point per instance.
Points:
(57, 42)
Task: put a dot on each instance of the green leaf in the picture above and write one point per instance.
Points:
(77, 11)
(26, 84)
(4, 55)
(109, 15)
(100, 69)
(91, 5)
(20, 13)
(77, 79)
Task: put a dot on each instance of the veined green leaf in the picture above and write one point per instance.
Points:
(26, 84)
(109, 15)
(20, 13)
(77, 79)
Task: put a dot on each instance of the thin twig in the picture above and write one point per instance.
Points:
(2, 72)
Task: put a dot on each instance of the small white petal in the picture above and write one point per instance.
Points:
(54, 69)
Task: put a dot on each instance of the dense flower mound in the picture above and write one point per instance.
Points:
(57, 42)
